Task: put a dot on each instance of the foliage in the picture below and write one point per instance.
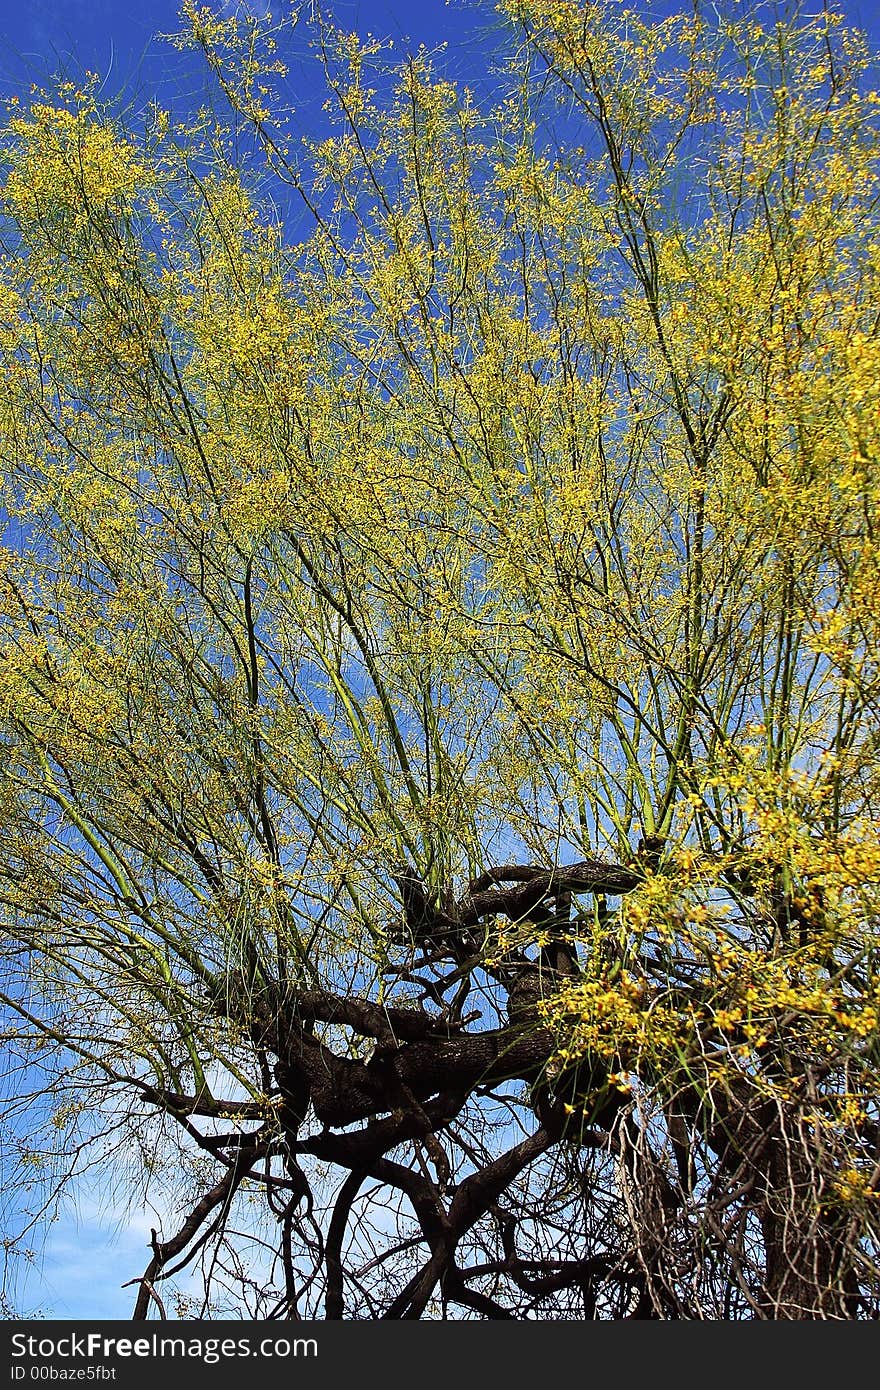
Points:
(440, 672)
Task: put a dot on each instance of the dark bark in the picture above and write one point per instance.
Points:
(428, 1060)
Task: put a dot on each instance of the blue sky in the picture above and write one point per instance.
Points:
(117, 38)
(90, 1254)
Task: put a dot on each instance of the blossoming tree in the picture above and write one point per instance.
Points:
(439, 695)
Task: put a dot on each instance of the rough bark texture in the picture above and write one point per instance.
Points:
(379, 1076)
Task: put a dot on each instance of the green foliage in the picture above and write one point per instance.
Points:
(524, 510)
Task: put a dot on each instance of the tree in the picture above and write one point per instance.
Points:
(440, 681)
